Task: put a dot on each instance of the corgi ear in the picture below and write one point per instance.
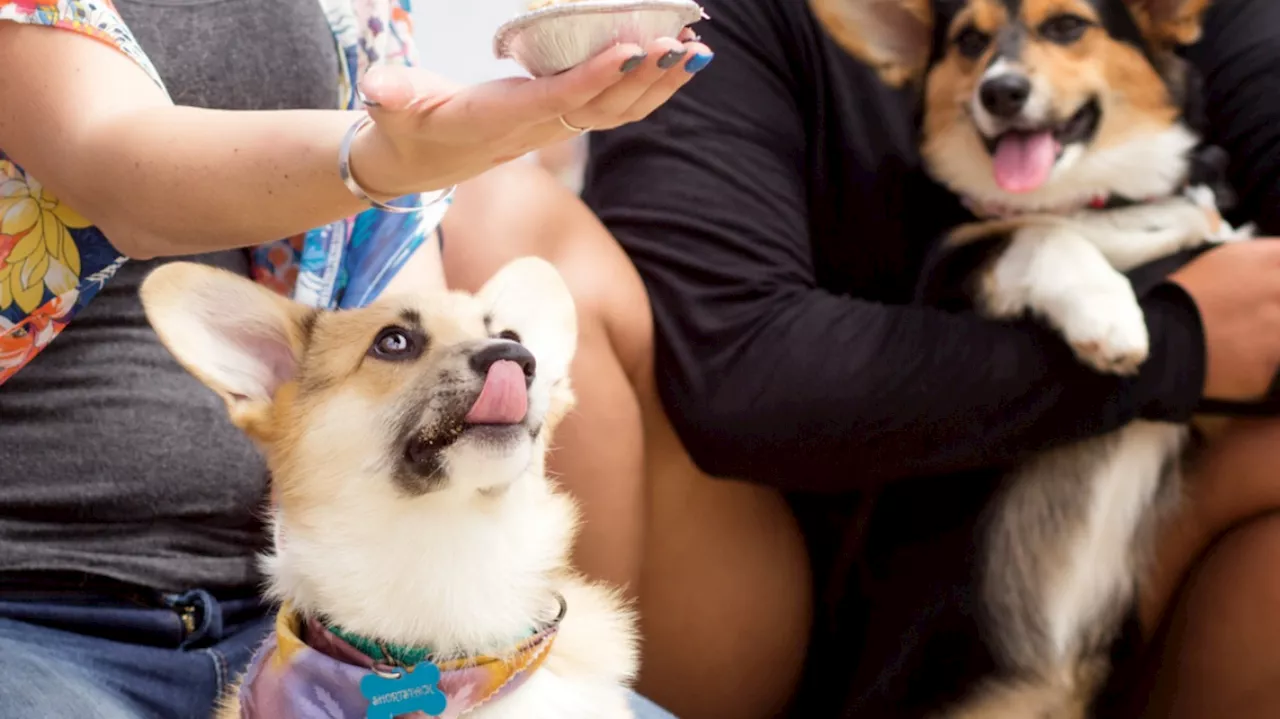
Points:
(239, 338)
(892, 36)
(529, 297)
(1170, 23)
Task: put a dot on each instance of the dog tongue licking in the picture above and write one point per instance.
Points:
(1023, 161)
(503, 399)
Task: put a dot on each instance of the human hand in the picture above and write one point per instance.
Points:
(429, 133)
(1237, 289)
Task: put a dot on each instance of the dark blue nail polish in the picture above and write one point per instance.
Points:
(670, 59)
(633, 62)
(698, 62)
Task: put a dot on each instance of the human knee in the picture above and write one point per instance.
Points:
(1233, 480)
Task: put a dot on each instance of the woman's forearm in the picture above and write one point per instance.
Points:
(165, 180)
(181, 180)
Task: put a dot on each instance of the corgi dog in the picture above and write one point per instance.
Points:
(421, 554)
(1069, 128)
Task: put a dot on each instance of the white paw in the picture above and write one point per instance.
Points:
(1107, 331)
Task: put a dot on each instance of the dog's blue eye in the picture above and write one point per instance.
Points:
(972, 42)
(1063, 29)
(395, 343)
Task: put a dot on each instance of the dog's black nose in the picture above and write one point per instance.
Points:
(1005, 96)
(481, 361)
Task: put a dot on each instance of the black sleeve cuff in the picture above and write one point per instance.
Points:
(1171, 382)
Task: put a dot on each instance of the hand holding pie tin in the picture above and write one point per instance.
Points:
(555, 36)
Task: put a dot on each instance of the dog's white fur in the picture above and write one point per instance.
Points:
(465, 568)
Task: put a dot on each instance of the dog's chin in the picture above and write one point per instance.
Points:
(470, 457)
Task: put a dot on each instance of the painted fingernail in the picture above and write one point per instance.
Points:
(698, 62)
(670, 59)
(634, 61)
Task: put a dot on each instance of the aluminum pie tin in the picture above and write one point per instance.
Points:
(553, 39)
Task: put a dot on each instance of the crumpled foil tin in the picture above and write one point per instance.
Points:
(553, 39)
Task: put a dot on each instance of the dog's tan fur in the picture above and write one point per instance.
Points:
(494, 532)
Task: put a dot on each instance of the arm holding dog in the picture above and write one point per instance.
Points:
(770, 378)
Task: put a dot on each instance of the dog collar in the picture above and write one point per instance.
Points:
(305, 670)
(402, 655)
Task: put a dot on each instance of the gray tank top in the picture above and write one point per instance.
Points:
(156, 487)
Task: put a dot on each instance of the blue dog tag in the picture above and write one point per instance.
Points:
(404, 691)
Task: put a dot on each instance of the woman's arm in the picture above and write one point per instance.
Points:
(769, 377)
(165, 180)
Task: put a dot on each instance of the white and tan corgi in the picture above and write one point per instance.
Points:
(417, 536)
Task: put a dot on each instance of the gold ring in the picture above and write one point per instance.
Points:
(573, 128)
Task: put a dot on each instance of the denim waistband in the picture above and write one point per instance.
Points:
(100, 606)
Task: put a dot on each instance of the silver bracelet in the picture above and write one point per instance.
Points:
(344, 170)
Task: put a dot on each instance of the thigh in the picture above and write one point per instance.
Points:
(1231, 480)
(43, 676)
(1217, 652)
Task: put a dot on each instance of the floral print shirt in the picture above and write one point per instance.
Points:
(53, 261)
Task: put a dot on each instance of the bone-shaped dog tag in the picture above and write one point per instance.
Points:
(404, 691)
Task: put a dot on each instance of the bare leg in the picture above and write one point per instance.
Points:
(1223, 657)
(719, 566)
(1235, 479)
(1216, 588)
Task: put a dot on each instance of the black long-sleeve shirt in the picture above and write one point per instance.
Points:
(778, 214)
(777, 211)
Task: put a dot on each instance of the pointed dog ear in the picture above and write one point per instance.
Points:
(237, 337)
(892, 36)
(1170, 23)
(530, 297)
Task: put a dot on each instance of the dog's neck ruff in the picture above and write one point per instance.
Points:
(305, 670)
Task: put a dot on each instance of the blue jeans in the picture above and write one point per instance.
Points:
(99, 658)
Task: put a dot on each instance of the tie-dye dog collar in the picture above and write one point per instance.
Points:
(306, 671)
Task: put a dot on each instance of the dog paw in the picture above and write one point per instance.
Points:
(1109, 333)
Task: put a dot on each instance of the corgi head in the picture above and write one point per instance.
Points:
(437, 395)
(406, 442)
(1037, 104)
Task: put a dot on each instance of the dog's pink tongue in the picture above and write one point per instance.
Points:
(503, 399)
(1023, 162)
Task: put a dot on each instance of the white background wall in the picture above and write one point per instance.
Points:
(455, 37)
